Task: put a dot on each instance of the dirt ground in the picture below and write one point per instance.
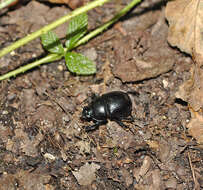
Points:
(43, 144)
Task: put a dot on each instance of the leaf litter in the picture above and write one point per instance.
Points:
(43, 142)
(185, 32)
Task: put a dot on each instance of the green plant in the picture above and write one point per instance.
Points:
(76, 63)
(74, 39)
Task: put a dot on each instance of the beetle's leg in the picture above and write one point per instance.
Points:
(92, 127)
(123, 125)
(130, 119)
(95, 126)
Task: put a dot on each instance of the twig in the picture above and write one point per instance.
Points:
(197, 187)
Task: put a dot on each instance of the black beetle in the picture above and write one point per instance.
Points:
(114, 106)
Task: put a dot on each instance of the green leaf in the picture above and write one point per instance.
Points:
(52, 43)
(79, 64)
(76, 29)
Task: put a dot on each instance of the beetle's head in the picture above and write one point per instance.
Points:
(87, 113)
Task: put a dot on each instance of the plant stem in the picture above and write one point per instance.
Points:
(54, 57)
(47, 59)
(5, 3)
(51, 26)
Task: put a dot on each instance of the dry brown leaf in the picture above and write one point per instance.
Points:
(86, 174)
(147, 163)
(196, 127)
(185, 19)
(192, 91)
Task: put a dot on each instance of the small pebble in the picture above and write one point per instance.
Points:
(11, 96)
(60, 67)
(165, 83)
(49, 156)
(13, 53)
(4, 112)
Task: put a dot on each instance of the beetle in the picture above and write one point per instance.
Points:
(115, 106)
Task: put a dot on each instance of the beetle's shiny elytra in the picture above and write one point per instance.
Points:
(114, 106)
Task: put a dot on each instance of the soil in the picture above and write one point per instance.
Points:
(43, 144)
